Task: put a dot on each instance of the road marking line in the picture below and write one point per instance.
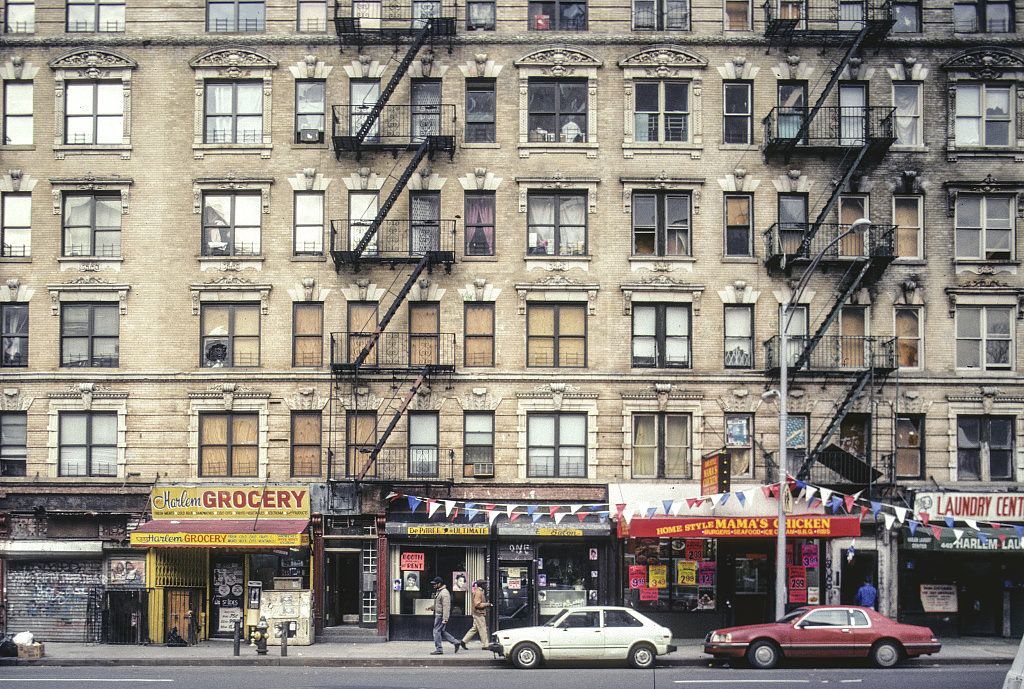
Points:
(741, 681)
(850, 681)
(39, 679)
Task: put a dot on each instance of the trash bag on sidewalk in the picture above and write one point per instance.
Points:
(8, 649)
(173, 639)
(24, 638)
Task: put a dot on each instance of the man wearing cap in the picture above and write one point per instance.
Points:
(479, 608)
(442, 609)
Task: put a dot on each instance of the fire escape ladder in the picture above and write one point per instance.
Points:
(842, 297)
(421, 152)
(390, 313)
(403, 67)
(394, 421)
(843, 408)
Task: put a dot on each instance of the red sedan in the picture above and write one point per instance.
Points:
(823, 631)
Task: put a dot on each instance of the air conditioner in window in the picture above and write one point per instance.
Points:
(309, 136)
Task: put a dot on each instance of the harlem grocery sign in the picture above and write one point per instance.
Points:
(230, 502)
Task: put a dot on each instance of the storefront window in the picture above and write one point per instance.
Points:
(678, 574)
(411, 590)
(567, 577)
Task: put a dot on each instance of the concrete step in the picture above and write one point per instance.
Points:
(349, 634)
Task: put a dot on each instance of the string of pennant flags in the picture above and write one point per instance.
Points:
(815, 496)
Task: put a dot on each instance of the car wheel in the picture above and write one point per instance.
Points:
(642, 656)
(764, 655)
(886, 654)
(526, 656)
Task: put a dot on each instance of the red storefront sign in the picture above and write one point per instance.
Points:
(797, 526)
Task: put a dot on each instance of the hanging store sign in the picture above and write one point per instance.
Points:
(229, 502)
(411, 529)
(797, 526)
(219, 540)
(988, 540)
(998, 507)
(714, 474)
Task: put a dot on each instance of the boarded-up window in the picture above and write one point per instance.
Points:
(362, 321)
(424, 319)
(309, 335)
(306, 443)
(228, 444)
(480, 334)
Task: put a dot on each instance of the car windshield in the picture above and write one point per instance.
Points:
(792, 615)
(557, 618)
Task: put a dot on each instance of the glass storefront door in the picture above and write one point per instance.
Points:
(515, 603)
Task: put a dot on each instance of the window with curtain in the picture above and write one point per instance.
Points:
(310, 106)
(909, 446)
(362, 210)
(984, 447)
(661, 336)
(17, 112)
(479, 334)
(907, 15)
(739, 443)
(906, 98)
(739, 336)
(362, 321)
(233, 112)
(87, 444)
(737, 15)
(481, 109)
(229, 444)
(232, 224)
(480, 14)
(309, 223)
(13, 443)
(983, 115)
(661, 445)
(984, 337)
(89, 335)
(14, 334)
(423, 449)
(92, 225)
(556, 445)
(792, 222)
(906, 215)
(16, 225)
(230, 335)
(557, 110)
(908, 334)
(984, 227)
(661, 224)
(557, 224)
(556, 335)
(425, 214)
(308, 334)
(479, 224)
(306, 441)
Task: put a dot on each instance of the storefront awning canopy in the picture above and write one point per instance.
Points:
(797, 526)
(221, 533)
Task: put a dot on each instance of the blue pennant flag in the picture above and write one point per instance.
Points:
(530, 509)
(413, 503)
(949, 521)
(913, 526)
(876, 507)
(651, 511)
(835, 503)
(983, 537)
(595, 508)
(743, 500)
(725, 496)
(800, 485)
(471, 514)
(470, 505)
(668, 505)
(1019, 530)
(603, 515)
(536, 517)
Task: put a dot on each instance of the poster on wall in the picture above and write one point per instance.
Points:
(797, 584)
(809, 555)
(938, 598)
(413, 561)
(657, 576)
(127, 571)
(637, 576)
(706, 574)
(412, 580)
(686, 573)
(647, 593)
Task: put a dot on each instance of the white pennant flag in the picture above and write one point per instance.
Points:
(573, 509)
(491, 516)
(889, 520)
(826, 495)
(973, 523)
(510, 509)
(901, 513)
(449, 505)
(677, 507)
(559, 516)
(748, 495)
(432, 507)
(811, 492)
(641, 508)
(627, 515)
(959, 533)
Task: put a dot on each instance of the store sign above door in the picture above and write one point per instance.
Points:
(797, 526)
(219, 540)
(999, 507)
(229, 502)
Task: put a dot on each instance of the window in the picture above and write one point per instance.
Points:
(229, 444)
(424, 325)
(231, 224)
(425, 99)
(13, 443)
(95, 15)
(909, 446)
(796, 330)
(556, 335)
(230, 335)
(661, 445)
(14, 334)
(94, 113)
(906, 215)
(310, 106)
(362, 321)
(982, 115)
(308, 331)
(991, 16)
(17, 112)
(737, 15)
(661, 111)
(92, 225)
(739, 232)
(478, 445)
(827, 618)
(309, 223)
(480, 14)
(661, 224)
(423, 448)
(479, 337)
(362, 210)
(907, 15)
(661, 15)
(984, 448)
(661, 336)
(425, 225)
(235, 15)
(906, 98)
(88, 444)
(908, 333)
(306, 438)
(796, 439)
(739, 336)
(89, 335)
(984, 227)
(738, 115)
(853, 101)
(362, 96)
(556, 224)
(792, 108)
(557, 110)
(480, 111)
(312, 16)
(792, 222)
(479, 224)
(16, 224)
(234, 112)
(559, 15)
(984, 337)
(556, 445)
(360, 439)
(620, 618)
(739, 443)
(20, 16)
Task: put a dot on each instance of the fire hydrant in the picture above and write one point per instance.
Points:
(260, 635)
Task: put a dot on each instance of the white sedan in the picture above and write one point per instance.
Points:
(587, 633)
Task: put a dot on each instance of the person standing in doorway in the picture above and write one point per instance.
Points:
(479, 607)
(867, 595)
(442, 608)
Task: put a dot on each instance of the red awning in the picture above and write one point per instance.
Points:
(221, 533)
(797, 526)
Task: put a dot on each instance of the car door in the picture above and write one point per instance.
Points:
(621, 629)
(578, 635)
(864, 633)
(823, 633)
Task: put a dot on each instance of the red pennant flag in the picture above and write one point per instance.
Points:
(455, 513)
(619, 509)
(924, 518)
(489, 507)
(848, 501)
(813, 503)
(996, 526)
(581, 516)
(863, 511)
(773, 490)
(937, 531)
(1002, 540)
(767, 490)
(514, 516)
(690, 502)
(552, 509)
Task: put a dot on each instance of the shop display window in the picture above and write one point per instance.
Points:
(677, 574)
(567, 577)
(411, 590)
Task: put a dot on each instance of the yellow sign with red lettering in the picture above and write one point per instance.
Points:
(230, 502)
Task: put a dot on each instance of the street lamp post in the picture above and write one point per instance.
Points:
(857, 226)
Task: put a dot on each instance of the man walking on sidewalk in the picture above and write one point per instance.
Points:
(442, 610)
(479, 607)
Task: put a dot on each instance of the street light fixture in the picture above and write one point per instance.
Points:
(858, 226)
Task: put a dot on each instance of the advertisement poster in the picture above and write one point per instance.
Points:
(809, 555)
(813, 597)
(637, 576)
(413, 561)
(797, 584)
(657, 576)
(938, 598)
(648, 593)
(694, 549)
(412, 580)
(127, 572)
(706, 574)
(686, 573)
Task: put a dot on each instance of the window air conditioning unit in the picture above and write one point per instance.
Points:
(309, 136)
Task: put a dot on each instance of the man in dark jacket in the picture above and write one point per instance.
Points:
(442, 611)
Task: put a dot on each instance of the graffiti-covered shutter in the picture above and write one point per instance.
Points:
(56, 600)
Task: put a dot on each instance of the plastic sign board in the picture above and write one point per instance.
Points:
(714, 474)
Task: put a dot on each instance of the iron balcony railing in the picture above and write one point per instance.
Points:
(826, 15)
(390, 19)
(398, 127)
(831, 127)
(835, 468)
(396, 240)
(790, 240)
(393, 351)
(834, 353)
(400, 464)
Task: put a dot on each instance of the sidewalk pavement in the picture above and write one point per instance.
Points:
(958, 651)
